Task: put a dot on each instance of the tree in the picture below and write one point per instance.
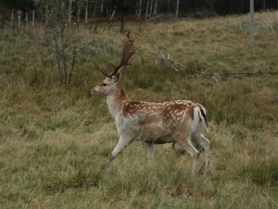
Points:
(58, 37)
(252, 41)
(124, 7)
(23, 5)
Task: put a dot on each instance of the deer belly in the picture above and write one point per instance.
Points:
(156, 136)
(164, 140)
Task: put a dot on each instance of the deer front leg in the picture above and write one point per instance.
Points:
(122, 143)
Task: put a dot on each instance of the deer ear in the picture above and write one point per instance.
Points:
(116, 77)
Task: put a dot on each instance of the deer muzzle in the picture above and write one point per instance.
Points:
(92, 91)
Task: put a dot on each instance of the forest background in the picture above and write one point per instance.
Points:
(141, 8)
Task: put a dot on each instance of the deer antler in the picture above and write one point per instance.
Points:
(127, 54)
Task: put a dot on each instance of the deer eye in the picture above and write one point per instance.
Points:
(104, 84)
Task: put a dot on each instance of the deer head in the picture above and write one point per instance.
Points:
(110, 82)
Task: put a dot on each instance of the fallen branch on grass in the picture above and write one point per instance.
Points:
(245, 73)
(168, 61)
(215, 80)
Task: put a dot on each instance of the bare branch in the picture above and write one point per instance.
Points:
(168, 61)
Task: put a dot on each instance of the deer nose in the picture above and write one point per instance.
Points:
(92, 91)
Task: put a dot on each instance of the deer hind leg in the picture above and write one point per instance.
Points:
(150, 153)
(186, 144)
(205, 143)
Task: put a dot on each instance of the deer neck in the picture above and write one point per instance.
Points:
(117, 99)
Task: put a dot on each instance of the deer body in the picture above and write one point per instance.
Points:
(179, 121)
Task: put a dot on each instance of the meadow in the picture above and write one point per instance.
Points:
(54, 138)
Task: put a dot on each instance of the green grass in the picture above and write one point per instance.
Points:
(54, 139)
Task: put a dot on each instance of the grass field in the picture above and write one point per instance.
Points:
(54, 139)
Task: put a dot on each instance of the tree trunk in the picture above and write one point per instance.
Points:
(147, 8)
(101, 7)
(95, 9)
(72, 65)
(12, 19)
(86, 13)
(18, 18)
(64, 59)
(263, 6)
(252, 41)
(26, 18)
(33, 18)
(140, 7)
(177, 10)
(70, 8)
(155, 7)
(113, 13)
(57, 53)
(46, 15)
(122, 23)
(151, 8)
(78, 13)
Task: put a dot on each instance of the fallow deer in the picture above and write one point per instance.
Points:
(179, 121)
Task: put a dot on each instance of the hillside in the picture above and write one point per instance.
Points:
(54, 138)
